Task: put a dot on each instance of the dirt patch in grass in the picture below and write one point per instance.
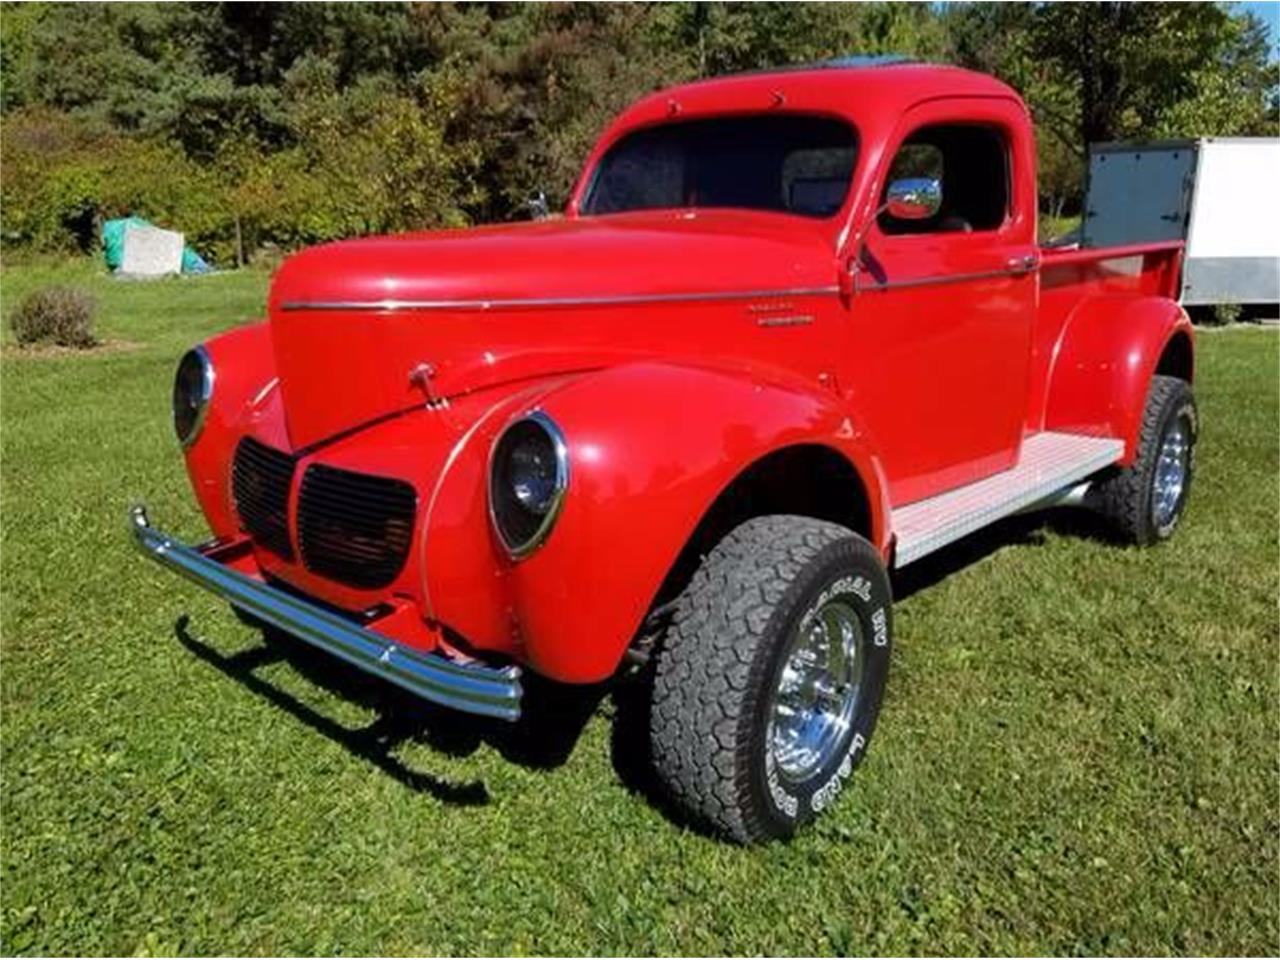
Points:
(48, 351)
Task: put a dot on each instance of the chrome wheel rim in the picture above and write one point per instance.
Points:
(817, 690)
(1171, 472)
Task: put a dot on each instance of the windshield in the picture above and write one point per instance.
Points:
(788, 163)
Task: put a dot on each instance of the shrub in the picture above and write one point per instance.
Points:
(57, 315)
(1227, 313)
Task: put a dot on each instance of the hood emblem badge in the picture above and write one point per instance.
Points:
(421, 377)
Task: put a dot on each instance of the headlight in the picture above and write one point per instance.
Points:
(192, 388)
(528, 475)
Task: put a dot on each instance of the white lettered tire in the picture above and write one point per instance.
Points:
(770, 678)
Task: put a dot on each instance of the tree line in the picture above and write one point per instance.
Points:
(254, 124)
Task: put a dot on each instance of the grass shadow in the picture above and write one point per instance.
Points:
(631, 752)
(551, 723)
(553, 715)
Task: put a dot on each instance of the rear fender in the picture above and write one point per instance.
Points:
(244, 396)
(1103, 363)
(650, 446)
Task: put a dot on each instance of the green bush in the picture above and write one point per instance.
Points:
(363, 161)
(55, 315)
(61, 179)
(1225, 314)
(291, 124)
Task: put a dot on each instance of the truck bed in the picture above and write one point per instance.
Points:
(1071, 275)
(1049, 462)
(1144, 268)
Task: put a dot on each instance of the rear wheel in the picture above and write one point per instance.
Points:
(770, 678)
(1146, 500)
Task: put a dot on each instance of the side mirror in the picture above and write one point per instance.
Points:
(538, 207)
(912, 198)
(915, 198)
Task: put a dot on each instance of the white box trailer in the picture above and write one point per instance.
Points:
(1219, 195)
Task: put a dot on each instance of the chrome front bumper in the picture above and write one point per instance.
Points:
(488, 691)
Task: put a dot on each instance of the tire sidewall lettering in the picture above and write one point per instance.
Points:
(784, 802)
(796, 802)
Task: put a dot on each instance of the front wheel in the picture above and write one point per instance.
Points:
(1145, 501)
(770, 679)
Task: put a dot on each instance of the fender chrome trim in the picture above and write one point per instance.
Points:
(471, 688)
(517, 303)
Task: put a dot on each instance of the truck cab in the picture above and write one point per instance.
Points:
(793, 331)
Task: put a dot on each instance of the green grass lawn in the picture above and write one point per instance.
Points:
(1078, 753)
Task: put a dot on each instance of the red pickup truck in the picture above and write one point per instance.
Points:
(793, 331)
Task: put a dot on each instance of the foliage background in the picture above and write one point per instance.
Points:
(254, 123)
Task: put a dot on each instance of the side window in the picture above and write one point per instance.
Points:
(917, 160)
(972, 164)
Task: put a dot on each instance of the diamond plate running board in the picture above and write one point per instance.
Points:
(1050, 462)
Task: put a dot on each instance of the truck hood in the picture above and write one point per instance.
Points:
(366, 328)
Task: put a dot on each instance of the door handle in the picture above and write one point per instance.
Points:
(1020, 265)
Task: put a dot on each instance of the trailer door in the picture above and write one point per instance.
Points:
(1138, 193)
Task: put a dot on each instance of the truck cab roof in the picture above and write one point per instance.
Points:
(851, 86)
(871, 95)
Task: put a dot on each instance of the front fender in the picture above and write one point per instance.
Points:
(243, 393)
(651, 446)
(1103, 363)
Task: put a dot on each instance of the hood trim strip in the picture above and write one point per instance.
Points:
(389, 306)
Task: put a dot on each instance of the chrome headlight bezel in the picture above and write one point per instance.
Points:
(520, 530)
(194, 389)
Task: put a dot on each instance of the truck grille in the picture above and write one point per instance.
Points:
(354, 527)
(260, 481)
